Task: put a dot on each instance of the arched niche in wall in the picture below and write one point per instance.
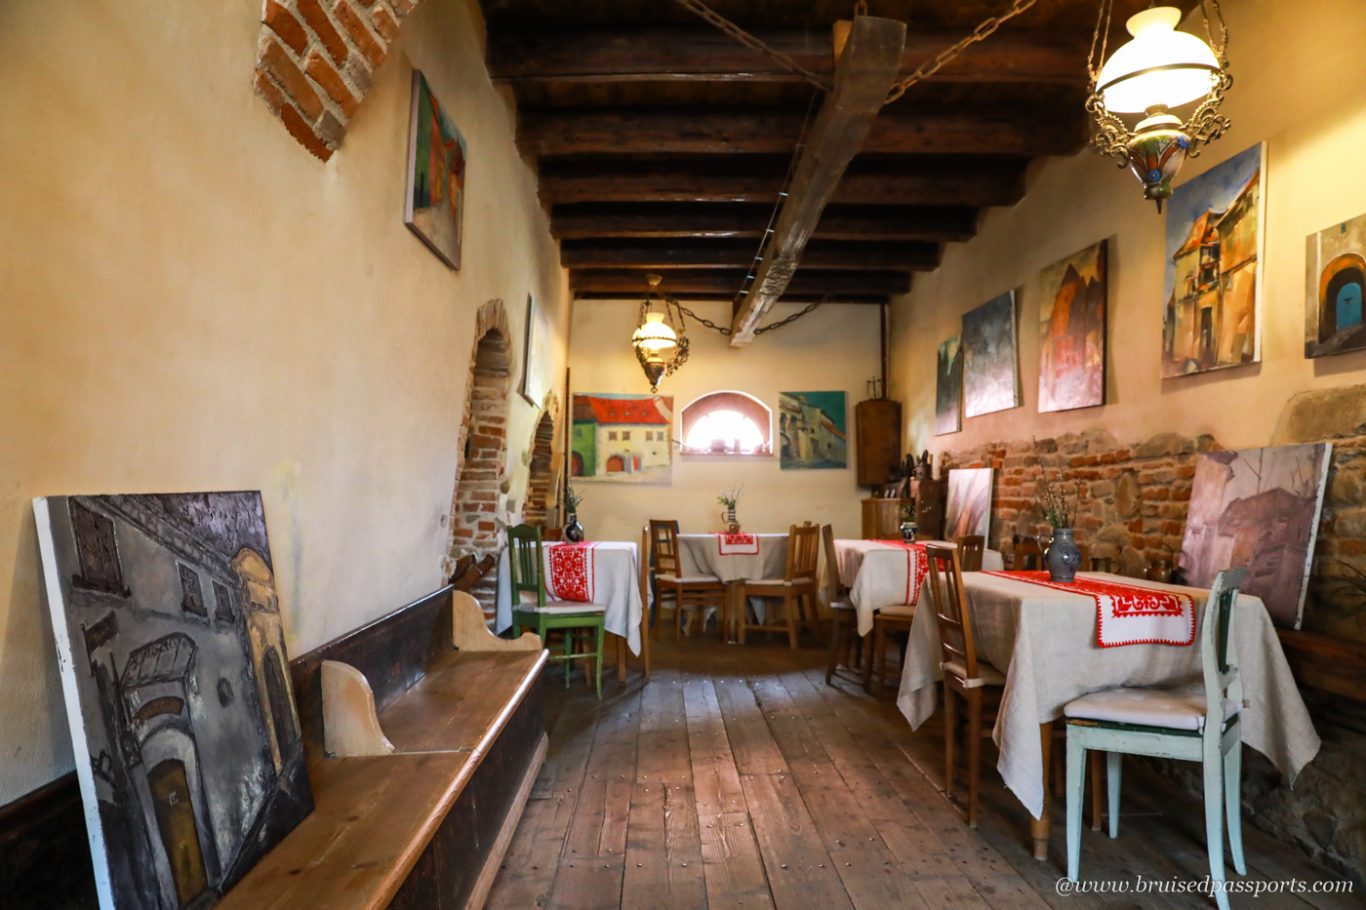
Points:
(727, 422)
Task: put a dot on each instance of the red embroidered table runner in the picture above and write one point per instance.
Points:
(917, 567)
(1127, 614)
(737, 544)
(571, 571)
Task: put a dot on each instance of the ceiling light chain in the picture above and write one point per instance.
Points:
(712, 17)
(725, 329)
(983, 31)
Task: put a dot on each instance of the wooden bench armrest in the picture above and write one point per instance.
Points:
(470, 631)
(350, 723)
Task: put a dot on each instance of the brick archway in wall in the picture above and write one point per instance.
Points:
(541, 476)
(475, 525)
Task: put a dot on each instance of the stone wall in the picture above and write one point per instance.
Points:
(1133, 510)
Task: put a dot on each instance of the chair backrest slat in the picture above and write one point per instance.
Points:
(526, 566)
(970, 549)
(1028, 554)
(664, 547)
(834, 588)
(803, 551)
(951, 606)
(1216, 626)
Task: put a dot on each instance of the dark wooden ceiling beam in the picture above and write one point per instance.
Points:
(1019, 132)
(844, 125)
(724, 284)
(604, 183)
(941, 224)
(789, 297)
(708, 55)
(608, 254)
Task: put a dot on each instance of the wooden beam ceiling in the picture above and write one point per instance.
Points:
(719, 284)
(934, 224)
(727, 254)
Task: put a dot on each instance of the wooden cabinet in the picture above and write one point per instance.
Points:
(882, 518)
(877, 424)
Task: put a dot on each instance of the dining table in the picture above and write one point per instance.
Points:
(734, 558)
(602, 572)
(885, 573)
(1047, 640)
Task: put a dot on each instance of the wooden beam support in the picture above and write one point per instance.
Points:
(723, 284)
(1021, 132)
(609, 254)
(863, 77)
(707, 55)
(942, 224)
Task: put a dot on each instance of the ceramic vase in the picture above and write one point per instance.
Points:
(1062, 557)
(573, 531)
(730, 521)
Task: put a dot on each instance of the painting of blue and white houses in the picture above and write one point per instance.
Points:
(177, 687)
(811, 429)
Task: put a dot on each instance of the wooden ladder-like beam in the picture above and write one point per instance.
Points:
(863, 78)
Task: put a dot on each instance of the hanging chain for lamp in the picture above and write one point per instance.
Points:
(983, 31)
(725, 329)
(712, 17)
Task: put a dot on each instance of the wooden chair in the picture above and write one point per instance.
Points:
(688, 592)
(797, 585)
(1193, 723)
(1028, 555)
(526, 562)
(970, 550)
(976, 682)
(889, 623)
(844, 640)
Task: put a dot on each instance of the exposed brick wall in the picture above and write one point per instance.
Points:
(1138, 495)
(540, 478)
(315, 60)
(476, 513)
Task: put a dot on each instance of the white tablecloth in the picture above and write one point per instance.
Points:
(700, 554)
(1045, 642)
(616, 586)
(875, 573)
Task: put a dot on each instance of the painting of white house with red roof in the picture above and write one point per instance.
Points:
(622, 438)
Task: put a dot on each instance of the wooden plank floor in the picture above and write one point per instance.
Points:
(738, 779)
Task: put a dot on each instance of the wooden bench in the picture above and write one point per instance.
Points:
(423, 775)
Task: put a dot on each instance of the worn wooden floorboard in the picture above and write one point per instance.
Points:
(737, 779)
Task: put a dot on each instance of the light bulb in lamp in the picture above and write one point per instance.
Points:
(655, 336)
(1161, 68)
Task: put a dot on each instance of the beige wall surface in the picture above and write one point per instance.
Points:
(190, 301)
(1292, 89)
(835, 347)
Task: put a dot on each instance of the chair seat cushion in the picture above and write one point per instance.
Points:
(987, 675)
(689, 579)
(561, 606)
(900, 611)
(1181, 708)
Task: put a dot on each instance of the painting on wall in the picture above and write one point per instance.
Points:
(177, 687)
(990, 363)
(1212, 314)
(812, 430)
(968, 510)
(1336, 265)
(948, 388)
(622, 438)
(1259, 509)
(1072, 331)
(535, 354)
(435, 199)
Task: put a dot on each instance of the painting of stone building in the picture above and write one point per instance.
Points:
(177, 687)
(1213, 249)
(812, 430)
(1072, 331)
(1336, 276)
(1259, 509)
(622, 438)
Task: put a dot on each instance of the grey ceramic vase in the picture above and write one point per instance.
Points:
(1062, 557)
(573, 531)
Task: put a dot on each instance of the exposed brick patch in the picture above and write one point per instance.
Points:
(315, 64)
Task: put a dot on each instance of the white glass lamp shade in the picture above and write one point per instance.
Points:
(655, 336)
(1160, 67)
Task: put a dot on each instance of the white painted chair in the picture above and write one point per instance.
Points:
(1198, 722)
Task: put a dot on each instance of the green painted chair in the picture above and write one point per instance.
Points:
(526, 563)
(1194, 723)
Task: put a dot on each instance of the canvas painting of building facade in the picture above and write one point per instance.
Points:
(948, 388)
(968, 510)
(622, 438)
(990, 359)
(1336, 265)
(177, 686)
(812, 430)
(1257, 508)
(435, 202)
(1211, 318)
(1072, 331)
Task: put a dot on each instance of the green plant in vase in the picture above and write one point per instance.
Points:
(1062, 556)
(730, 499)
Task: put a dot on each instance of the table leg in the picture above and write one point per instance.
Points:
(1039, 828)
(645, 640)
(621, 659)
(735, 610)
